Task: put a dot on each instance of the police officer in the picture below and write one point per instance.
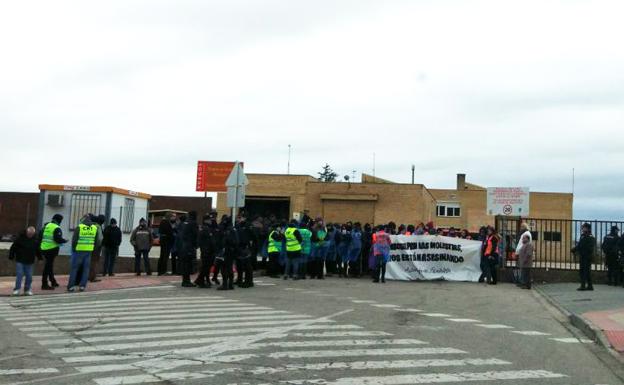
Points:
(293, 250)
(274, 248)
(84, 241)
(51, 240)
(207, 248)
(610, 248)
(244, 265)
(585, 250)
(188, 253)
(230, 251)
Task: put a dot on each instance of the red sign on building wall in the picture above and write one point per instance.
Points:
(211, 176)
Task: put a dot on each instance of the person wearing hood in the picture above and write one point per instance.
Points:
(111, 242)
(23, 251)
(229, 253)
(84, 241)
(141, 239)
(244, 265)
(51, 237)
(98, 221)
(207, 247)
(167, 238)
(188, 251)
(610, 248)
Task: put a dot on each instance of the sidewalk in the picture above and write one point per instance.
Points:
(119, 281)
(599, 313)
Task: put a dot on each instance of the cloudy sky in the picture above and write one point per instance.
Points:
(133, 93)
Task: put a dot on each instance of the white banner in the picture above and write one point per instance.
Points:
(432, 257)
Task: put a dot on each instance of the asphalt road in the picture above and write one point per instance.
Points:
(336, 331)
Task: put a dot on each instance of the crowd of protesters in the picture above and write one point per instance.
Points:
(296, 249)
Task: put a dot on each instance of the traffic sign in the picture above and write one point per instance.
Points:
(236, 187)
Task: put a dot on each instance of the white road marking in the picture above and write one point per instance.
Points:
(363, 301)
(572, 340)
(149, 336)
(341, 334)
(436, 315)
(463, 320)
(494, 326)
(306, 344)
(278, 334)
(431, 378)
(409, 310)
(358, 365)
(126, 311)
(265, 284)
(362, 352)
(385, 305)
(183, 314)
(166, 325)
(199, 317)
(12, 372)
(105, 308)
(530, 333)
(46, 299)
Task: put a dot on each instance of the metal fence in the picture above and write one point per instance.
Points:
(553, 240)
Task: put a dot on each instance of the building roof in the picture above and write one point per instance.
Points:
(53, 187)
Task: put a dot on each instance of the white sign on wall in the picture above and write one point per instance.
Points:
(511, 201)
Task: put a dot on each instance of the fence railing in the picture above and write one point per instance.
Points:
(553, 240)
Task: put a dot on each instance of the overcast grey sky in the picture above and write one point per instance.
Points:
(133, 93)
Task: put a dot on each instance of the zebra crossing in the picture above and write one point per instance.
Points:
(194, 338)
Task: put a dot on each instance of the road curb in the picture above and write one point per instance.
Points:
(590, 330)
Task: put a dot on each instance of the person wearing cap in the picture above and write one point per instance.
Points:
(141, 240)
(111, 242)
(51, 239)
(98, 221)
(188, 251)
(585, 250)
(84, 241)
(610, 248)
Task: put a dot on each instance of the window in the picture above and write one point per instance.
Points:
(127, 222)
(448, 210)
(553, 236)
(82, 204)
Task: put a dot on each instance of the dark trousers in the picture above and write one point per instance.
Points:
(273, 266)
(227, 273)
(246, 271)
(614, 270)
(492, 272)
(585, 272)
(316, 268)
(525, 277)
(48, 269)
(207, 260)
(144, 254)
(110, 255)
(186, 265)
(176, 267)
(95, 260)
(163, 259)
(380, 270)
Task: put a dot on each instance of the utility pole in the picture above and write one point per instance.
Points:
(373, 165)
(413, 169)
(288, 169)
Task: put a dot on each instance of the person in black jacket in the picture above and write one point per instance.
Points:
(111, 242)
(50, 247)
(188, 234)
(207, 248)
(167, 238)
(585, 250)
(244, 264)
(610, 248)
(230, 251)
(23, 251)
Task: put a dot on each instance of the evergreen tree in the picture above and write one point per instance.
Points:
(327, 175)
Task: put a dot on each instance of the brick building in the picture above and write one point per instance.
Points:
(18, 210)
(376, 201)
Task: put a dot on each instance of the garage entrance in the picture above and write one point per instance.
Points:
(256, 206)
